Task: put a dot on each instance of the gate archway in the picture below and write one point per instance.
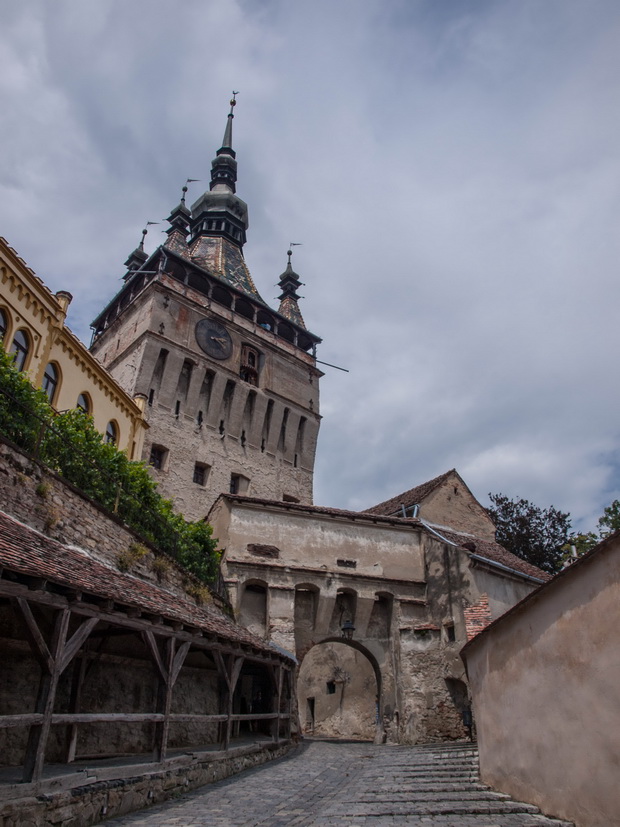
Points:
(339, 690)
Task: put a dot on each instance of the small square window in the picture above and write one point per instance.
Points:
(201, 473)
(450, 633)
(331, 687)
(158, 457)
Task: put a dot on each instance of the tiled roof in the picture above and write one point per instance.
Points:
(224, 259)
(290, 310)
(411, 497)
(26, 551)
(494, 552)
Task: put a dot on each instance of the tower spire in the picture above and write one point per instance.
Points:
(224, 165)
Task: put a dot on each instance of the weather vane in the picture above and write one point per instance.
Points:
(184, 190)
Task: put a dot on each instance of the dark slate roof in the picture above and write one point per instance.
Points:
(28, 552)
(411, 497)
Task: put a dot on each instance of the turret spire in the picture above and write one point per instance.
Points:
(289, 284)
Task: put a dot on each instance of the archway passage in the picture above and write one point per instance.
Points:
(337, 692)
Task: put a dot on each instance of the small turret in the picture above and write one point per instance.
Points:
(289, 284)
(137, 258)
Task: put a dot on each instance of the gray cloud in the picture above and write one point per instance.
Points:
(452, 169)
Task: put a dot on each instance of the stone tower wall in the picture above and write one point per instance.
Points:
(200, 410)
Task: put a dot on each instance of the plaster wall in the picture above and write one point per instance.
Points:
(30, 306)
(452, 504)
(546, 688)
(315, 541)
(405, 597)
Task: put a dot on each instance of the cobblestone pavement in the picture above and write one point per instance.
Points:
(329, 784)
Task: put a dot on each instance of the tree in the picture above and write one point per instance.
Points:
(610, 521)
(534, 534)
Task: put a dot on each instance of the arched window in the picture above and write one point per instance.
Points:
(50, 382)
(83, 403)
(3, 324)
(111, 433)
(21, 348)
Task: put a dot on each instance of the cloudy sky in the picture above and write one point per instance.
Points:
(452, 168)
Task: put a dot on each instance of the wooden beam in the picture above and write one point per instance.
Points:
(151, 643)
(178, 661)
(74, 645)
(38, 735)
(79, 670)
(33, 633)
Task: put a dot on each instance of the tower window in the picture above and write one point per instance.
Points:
(201, 472)
(199, 419)
(239, 484)
(249, 365)
(3, 324)
(158, 457)
(177, 408)
(151, 397)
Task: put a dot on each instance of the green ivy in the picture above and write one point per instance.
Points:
(70, 445)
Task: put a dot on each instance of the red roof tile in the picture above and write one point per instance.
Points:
(26, 551)
(411, 497)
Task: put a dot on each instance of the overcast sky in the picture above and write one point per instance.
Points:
(452, 168)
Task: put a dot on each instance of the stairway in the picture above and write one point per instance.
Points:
(439, 782)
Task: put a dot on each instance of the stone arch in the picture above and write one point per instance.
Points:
(253, 606)
(339, 690)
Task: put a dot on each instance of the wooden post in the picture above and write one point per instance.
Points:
(79, 670)
(38, 735)
(230, 671)
(168, 674)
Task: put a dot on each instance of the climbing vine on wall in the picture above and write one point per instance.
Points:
(69, 444)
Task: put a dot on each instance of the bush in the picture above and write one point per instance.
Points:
(70, 445)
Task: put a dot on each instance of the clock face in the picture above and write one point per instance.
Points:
(214, 339)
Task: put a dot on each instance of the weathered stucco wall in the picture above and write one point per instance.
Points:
(546, 688)
(452, 504)
(296, 575)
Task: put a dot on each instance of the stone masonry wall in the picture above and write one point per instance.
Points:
(39, 498)
(104, 798)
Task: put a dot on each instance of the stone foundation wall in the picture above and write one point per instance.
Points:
(81, 806)
(42, 500)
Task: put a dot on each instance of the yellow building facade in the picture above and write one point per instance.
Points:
(32, 326)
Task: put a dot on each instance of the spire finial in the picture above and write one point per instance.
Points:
(227, 142)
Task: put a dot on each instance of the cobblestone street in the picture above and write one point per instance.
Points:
(347, 784)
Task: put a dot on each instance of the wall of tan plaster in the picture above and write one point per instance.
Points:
(452, 504)
(30, 306)
(546, 689)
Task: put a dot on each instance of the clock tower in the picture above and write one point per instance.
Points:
(231, 385)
